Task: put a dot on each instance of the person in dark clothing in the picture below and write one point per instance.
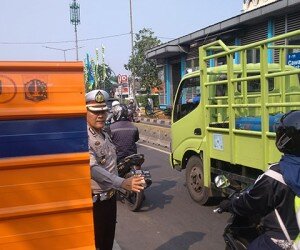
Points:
(273, 193)
(123, 133)
(131, 105)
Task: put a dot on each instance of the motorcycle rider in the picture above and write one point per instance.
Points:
(131, 104)
(131, 110)
(109, 118)
(123, 133)
(273, 193)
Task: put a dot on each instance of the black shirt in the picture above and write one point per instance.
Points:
(124, 135)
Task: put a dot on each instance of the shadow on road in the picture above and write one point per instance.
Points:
(214, 201)
(155, 196)
(151, 167)
(182, 242)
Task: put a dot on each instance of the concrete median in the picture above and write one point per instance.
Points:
(154, 134)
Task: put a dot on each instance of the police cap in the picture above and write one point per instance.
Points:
(95, 100)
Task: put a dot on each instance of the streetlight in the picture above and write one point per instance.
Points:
(75, 20)
(64, 50)
(132, 70)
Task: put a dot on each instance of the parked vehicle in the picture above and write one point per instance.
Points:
(239, 231)
(129, 166)
(229, 128)
(149, 108)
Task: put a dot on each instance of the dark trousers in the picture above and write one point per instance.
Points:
(263, 242)
(105, 213)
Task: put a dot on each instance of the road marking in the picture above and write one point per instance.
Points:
(116, 246)
(160, 150)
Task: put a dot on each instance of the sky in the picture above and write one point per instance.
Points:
(29, 26)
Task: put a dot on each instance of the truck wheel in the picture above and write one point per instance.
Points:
(195, 180)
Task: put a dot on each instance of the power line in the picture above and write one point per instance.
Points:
(57, 42)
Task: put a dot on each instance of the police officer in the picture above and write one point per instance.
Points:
(105, 180)
(273, 193)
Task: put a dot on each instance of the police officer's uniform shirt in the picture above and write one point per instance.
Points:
(103, 162)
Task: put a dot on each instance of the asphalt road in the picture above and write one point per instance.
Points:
(169, 219)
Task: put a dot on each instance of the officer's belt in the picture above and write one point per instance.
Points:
(103, 196)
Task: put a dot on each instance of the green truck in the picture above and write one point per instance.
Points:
(224, 117)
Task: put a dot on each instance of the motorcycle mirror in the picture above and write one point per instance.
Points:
(221, 181)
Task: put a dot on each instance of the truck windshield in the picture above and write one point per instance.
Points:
(188, 97)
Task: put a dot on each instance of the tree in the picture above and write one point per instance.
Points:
(144, 69)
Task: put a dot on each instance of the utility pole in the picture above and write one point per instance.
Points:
(75, 20)
(132, 54)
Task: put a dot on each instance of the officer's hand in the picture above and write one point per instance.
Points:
(134, 183)
(225, 205)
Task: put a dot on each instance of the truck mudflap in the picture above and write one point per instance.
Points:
(174, 165)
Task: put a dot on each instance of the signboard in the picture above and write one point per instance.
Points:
(294, 59)
(123, 89)
(122, 79)
(253, 4)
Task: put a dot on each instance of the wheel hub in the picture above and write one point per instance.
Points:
(196, 179)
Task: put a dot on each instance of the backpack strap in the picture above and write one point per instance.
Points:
(278, 177)
(275, 175)
(297, 211)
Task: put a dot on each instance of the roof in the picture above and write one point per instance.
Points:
(181, 44)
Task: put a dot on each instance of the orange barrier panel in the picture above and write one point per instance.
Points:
(43, 89)
(44, 162)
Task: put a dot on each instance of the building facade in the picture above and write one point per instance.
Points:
(261, 19)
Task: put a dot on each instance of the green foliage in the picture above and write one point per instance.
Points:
(103, 75)
(143, 100)
(143, 68)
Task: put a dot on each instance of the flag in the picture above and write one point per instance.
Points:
(89, 72)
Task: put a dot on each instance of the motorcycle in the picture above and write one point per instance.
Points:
(130, 166)
(133, 115)
(239, 231)
(149, 108)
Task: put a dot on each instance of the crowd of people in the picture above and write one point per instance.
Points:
(272, 196)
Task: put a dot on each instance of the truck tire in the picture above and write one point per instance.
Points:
(195, 180)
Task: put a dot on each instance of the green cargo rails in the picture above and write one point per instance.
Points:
(224, 117)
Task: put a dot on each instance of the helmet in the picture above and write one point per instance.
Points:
(288, 133)
(120, 112)
(115, 103)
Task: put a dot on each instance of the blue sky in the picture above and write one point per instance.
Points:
(46, 23)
